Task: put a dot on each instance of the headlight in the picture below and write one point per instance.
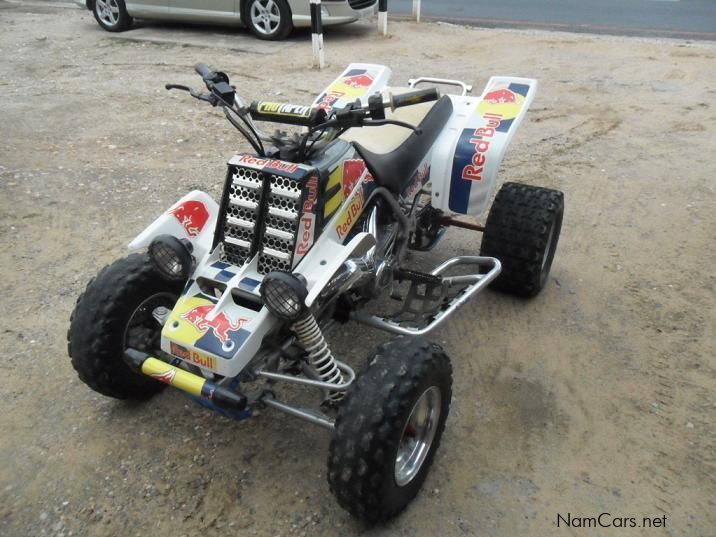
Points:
(284, 295)
(171, 257)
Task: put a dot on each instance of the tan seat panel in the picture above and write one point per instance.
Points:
(388, 137)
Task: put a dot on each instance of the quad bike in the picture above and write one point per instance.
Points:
(231, 301)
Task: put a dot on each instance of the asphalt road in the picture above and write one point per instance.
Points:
(695, 19)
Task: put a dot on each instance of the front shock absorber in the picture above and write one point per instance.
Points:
(320, 356)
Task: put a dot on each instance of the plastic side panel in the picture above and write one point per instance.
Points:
(193, 217)
(358, 81)
(477, 138)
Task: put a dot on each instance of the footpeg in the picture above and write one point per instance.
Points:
(428, 300)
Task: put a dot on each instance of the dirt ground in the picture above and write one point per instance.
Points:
(597, 396)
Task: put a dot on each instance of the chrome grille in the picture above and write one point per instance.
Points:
(242, 213)
(279, 234)
(276, 207)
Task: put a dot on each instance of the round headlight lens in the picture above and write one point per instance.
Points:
(284, 295)
(171, 257)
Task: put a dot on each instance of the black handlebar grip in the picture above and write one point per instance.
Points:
(290, 114)
(203, 70)
(414, 97)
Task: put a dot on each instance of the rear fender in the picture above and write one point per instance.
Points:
(468, 153)
(193, 217)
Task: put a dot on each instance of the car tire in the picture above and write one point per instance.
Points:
(112, 15)
(268, 19)
(114, 312)
(522, 231)
(389, 427)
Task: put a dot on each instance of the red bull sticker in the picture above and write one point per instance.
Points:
(307, 224)
(353, 171)
(358, 81)
(350, 215)
(167, 377)
(192, 215)
(353, 85)
(266, 163)
(474, 158)
(195, 357)
(420, 177)
(221, 325)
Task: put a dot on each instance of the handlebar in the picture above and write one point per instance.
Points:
(414, 97)
(203, 70)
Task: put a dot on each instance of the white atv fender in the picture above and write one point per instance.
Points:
(467, 155)
(193, 217)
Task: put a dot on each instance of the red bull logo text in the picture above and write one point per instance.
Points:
(481, 140)
(350, 215)
(192, 215)
(220, 325)
(192, 356)
(420, 178)
(262, 163)
(308, 219)
(329, 99)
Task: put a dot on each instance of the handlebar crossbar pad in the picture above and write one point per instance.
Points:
(415, 97)
(290, 114)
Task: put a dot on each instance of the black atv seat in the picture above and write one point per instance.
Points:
(393, 170)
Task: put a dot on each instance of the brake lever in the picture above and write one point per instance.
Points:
(177, 86)
(206, 97)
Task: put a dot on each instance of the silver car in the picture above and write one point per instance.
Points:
(267, 19)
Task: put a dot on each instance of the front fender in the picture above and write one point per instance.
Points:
(193, 217)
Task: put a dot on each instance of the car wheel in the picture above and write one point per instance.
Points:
(112, 15)
(268, 19)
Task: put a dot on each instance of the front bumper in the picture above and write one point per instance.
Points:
(183, 380)
(337, 13)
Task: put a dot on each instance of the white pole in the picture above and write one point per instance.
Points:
(416, 10)
(383, 17)
(319, 59)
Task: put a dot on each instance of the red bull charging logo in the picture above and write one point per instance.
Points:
(353, 170)
(358, 81)
(501, 96)
(192, 215)
(221, 325)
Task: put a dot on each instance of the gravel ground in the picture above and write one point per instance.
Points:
(597, 396)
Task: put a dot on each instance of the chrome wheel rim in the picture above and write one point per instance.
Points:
(417, 436)
(548, 247)
(108, 11)
(143, 330)
(265, 16)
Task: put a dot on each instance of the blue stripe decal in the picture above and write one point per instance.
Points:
(210, 343)
(504, 125)
(522, 89)
(459, 187)
(224, 276)
(220, 265)
(249, 284)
